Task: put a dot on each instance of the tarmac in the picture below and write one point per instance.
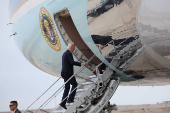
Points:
(156, 108)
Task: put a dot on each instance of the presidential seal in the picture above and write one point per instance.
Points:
(48, 30)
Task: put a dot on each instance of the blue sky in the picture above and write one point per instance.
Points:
(21, 81)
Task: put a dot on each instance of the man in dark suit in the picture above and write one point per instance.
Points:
(67, 71)
(13, 107)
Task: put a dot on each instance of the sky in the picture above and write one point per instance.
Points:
(21, 81)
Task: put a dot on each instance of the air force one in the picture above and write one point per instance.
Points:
(122, 40)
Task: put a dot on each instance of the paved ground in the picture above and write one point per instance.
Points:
(158, 108)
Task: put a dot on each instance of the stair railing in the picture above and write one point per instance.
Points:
(60, 89)
(42, 94)
(70, 93)
(76, 74)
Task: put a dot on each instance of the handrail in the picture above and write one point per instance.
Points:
(52, 97)
(85, 79)
(67, 81)
(66, 97)
(76, 74)
(60, 87)
(54, 93)
(70, 93)
(42, 94)
(83, 53)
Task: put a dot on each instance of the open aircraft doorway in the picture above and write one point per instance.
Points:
(70, 34)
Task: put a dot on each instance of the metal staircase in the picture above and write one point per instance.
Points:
(93, 94)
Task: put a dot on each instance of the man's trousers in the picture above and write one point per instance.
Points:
(73, 82)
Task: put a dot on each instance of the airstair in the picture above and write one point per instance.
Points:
(95, 91)
(93, 94)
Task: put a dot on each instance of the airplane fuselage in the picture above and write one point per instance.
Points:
(44, 28)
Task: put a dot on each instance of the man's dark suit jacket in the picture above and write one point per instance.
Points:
(17, 111)
(67, 64)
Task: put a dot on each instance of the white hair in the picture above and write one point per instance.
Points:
(70, 45)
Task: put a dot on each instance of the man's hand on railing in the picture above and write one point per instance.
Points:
(101, 46)
(84, 64)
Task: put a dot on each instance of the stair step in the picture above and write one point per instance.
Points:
(121, 57)
(76, 97)
(83, 86)
(115, 62)
(87, 83)
(68, 104)
(113, 53)
(109, 60)
(80, 91)
(93, 76)
(59, 111)
(120, 48)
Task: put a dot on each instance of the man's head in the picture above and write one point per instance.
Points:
(71, 47)
(13, 105)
